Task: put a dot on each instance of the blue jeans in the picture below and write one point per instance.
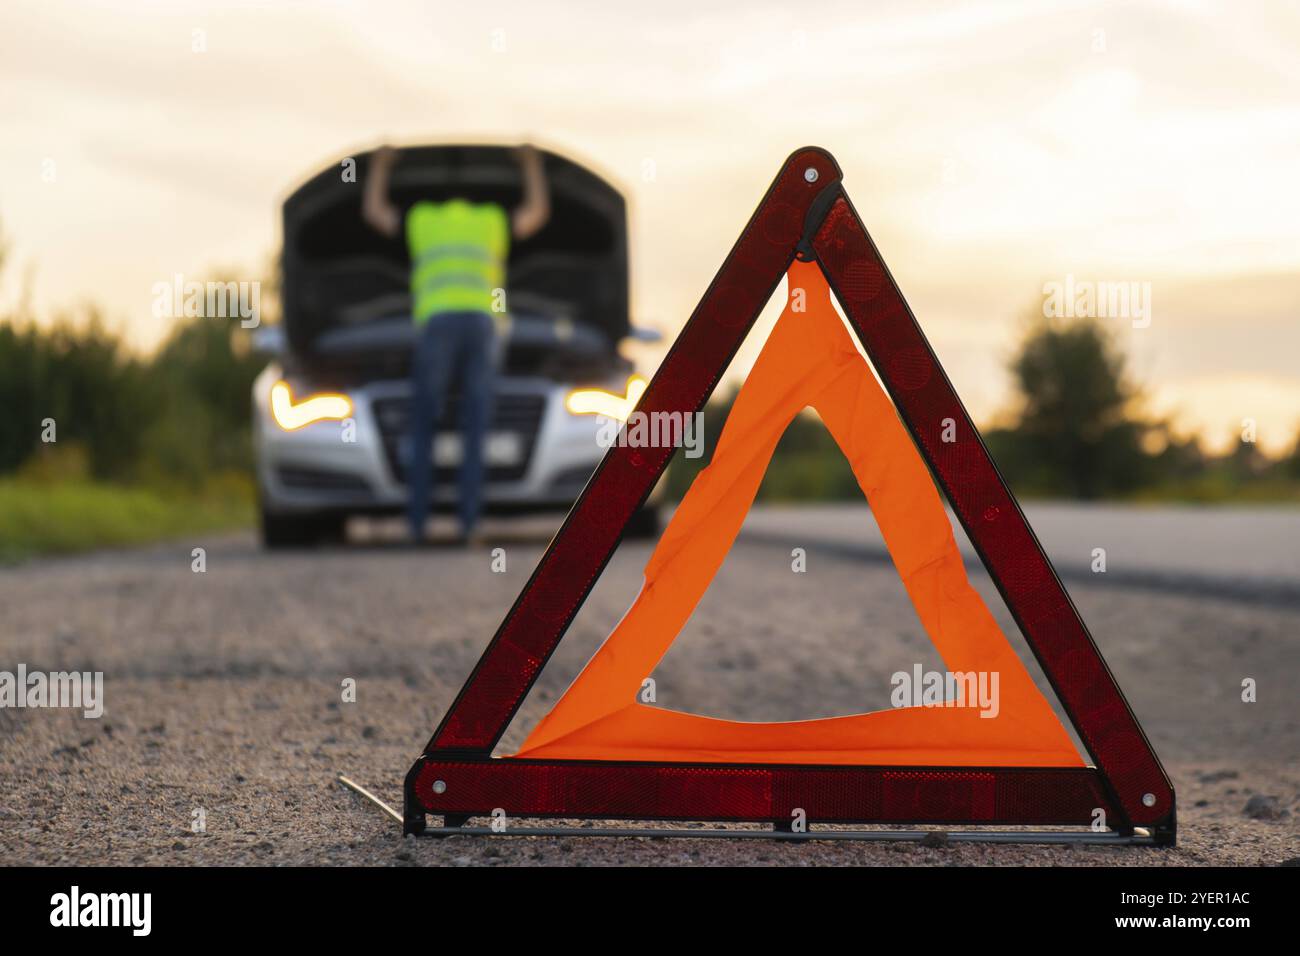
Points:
(451, 345)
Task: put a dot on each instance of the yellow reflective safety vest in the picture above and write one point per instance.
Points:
(458, 259)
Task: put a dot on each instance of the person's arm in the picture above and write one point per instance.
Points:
(531, 215)
(376, 208)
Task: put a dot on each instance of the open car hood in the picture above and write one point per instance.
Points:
(338, 274)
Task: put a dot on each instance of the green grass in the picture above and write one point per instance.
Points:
(63, 517)
(1217, 490)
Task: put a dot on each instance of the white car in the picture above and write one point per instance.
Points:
(330, 412)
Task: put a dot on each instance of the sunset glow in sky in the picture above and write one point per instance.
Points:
(990, 148)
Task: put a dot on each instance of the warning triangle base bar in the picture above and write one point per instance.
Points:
(769, 793)
(805, 213)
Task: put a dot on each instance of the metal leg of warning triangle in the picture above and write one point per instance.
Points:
(414, 826)
(1139, 837)
(1165, 834)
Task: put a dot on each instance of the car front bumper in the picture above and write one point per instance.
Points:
(356, 466)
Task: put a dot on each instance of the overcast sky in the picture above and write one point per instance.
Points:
(990, 148)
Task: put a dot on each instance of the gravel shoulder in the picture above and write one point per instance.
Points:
(223, 695)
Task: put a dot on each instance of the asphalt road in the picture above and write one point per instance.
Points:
(223, 688)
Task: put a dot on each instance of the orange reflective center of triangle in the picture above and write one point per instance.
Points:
(808, 360)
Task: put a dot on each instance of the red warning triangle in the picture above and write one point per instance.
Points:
(599, 754)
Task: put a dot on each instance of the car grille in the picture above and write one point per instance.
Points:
(512, 412)
(315, 479)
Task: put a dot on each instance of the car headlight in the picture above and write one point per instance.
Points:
(597, 401)
(319, 407)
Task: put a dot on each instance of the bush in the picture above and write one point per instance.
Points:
(180, 416)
